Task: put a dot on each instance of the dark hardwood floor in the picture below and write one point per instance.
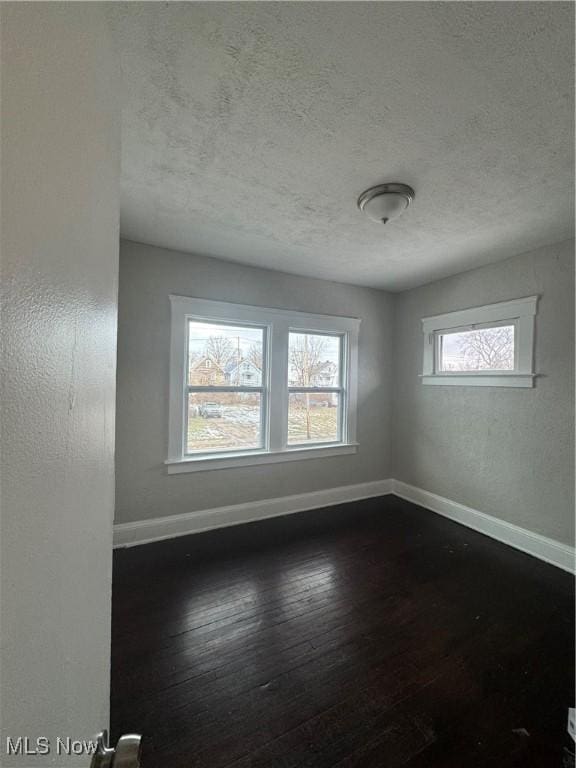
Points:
(371, 634)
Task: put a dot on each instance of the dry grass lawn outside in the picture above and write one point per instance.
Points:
(241, 429)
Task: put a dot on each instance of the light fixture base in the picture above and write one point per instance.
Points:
(401, 192)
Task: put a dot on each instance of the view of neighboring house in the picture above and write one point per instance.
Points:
(243, 373)
(205, 372)
(287, 455)
(325, 376)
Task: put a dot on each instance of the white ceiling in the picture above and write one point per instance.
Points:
(249, 130)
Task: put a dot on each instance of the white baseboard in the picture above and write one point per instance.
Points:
(145, 531)
(549, 550)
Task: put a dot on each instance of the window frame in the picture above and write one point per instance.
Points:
(278, 324)
(440, 334)
(520, 313)
(341, 390)
(263, 389)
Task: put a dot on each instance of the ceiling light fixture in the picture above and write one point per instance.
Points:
(386, 201)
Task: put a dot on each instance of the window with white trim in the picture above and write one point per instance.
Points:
(255, 385)
(315, 392)
(492, 345)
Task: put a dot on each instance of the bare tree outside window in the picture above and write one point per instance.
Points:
(307, 359)
(218, 357)
(313, 362)
(265, 382)
(220, 350)
(484, 349)
(254, 355)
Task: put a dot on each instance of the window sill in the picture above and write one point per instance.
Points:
(480, 379)
(206, 463)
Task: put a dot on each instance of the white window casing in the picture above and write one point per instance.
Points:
(274, 391)
(520, 313)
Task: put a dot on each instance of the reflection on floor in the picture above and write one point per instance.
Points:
(371, 634)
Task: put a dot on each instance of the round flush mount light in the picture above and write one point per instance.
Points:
(386, 201)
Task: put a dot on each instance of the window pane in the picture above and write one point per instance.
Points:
(484, 349)
(313, 418)
(224, 421)
(314, 360)
(224, 355)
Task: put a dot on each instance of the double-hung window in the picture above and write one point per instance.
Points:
(226, 371)
(255, 385)
(491, 345)
(316, 397)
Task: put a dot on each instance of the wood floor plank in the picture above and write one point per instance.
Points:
(369, 634)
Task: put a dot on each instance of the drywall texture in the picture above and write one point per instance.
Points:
(60, 177)
(251, 128)
(506, 452)
(147, 276)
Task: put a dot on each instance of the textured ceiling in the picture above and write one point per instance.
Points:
(249, 129)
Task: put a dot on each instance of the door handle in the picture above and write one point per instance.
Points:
(126, 754)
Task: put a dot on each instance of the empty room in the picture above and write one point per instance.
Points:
(287, 385)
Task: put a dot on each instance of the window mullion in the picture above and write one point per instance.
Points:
(278, 412)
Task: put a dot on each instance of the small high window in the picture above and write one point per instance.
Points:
(481, 348)
(491, 345)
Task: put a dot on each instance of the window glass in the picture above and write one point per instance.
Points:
(313, 360)
(482, 349)
(313, 417)
(224, 355)
(250, 383)
(224, 421)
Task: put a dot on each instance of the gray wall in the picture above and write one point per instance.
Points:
(147, 276)
(60, 174)
(506, 452)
